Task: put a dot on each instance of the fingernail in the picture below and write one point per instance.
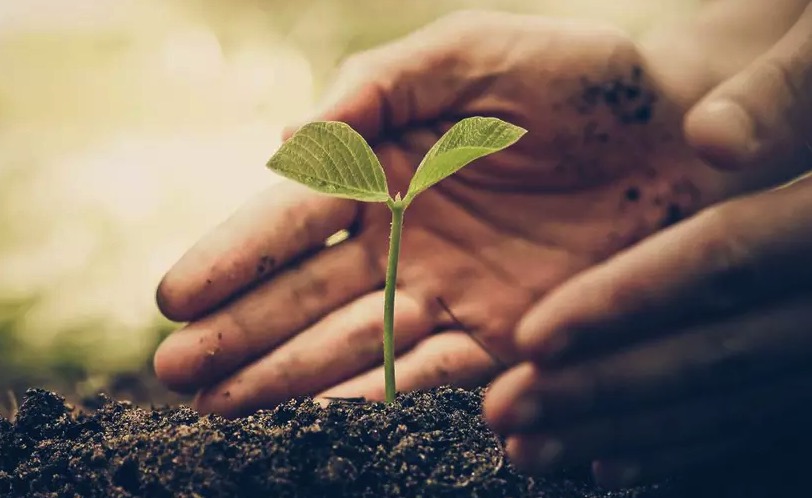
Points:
(526, 413)
(549, 453)
(727, 132)
(616, 474)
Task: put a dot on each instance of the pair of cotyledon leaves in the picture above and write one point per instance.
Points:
(332, 158)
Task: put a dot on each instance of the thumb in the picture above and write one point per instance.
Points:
(393, 85)
(764, 113)
(360, 97)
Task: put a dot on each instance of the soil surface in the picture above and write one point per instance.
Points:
(429, 444)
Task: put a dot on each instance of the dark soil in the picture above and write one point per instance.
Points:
(140, 386)
(425, 445)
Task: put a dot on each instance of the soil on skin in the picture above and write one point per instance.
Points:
(431, 444)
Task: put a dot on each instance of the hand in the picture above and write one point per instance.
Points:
(276, 314)
(761, 117)
(694, 345)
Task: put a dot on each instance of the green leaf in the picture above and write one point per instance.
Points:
(470, 139)
(332, 158)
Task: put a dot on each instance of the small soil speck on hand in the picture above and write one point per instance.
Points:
(265, 265)
(673, 215)
(628, 98)
(632, 194)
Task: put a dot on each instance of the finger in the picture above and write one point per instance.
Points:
(725, 258)
(211, 348)
(662, 463)
(759, 408)
(448, 358)
(702, 360)
(344, 343)
(413, 79)
(763, 115)
(268, 232)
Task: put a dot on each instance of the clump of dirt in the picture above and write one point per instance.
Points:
(427, 444)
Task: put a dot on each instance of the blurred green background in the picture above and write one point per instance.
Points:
(130, 127)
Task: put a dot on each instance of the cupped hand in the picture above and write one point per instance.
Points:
(276, 313)
(691, 347)
(694, 345)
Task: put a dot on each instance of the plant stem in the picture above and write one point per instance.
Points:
(397, 208)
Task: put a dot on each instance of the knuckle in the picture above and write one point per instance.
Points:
(785, 81)
(308, 290)
(442, 372)
(776, 73)
(361, 342)
(303, 225)
(624, 294)
(357, 64)
(286, 373)
(730, 273)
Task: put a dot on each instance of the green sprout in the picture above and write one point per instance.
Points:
(332, 158)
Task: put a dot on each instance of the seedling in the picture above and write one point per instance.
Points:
(332, 158)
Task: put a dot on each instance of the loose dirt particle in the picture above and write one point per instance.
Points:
(429, 444)
(632, 194)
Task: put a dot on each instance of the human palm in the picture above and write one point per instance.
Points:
(275, 314)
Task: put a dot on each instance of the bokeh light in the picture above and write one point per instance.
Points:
(128, 128)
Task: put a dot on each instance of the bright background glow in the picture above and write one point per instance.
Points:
(130, 127)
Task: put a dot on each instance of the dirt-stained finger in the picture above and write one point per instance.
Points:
(275, 227)
(447, 358)
(698, 361)
(212, 348)
(727, 258)
(343, 344)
